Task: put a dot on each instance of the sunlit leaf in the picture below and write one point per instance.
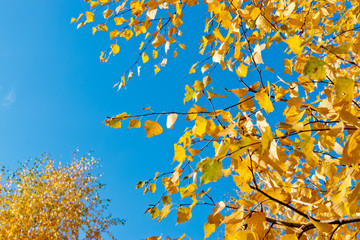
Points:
(183, 215)
(211, 169)
(152, 128)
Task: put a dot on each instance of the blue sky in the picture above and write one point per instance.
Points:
(55, 95)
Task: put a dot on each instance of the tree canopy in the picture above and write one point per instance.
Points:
(288, 136)
(43, 199)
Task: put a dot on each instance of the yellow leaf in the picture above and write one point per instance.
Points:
(120, 20)
(155, 54)
(152, 187)
(158, 41)
(157, 69)
(154, 212)
(264, 101)
(177, 22)
(164, 212)
(188, 191)
(182, 46)
(192, 69)
(171, 119)
(351, 150)
(266, 140)
(175, 53)
(93, 4)
(288, 66)
(80, 25)
(152, 128)
(134, 123)
(113, 34)
(107, 13)
(245, 235)
(127, 34)
(179, 153)
(115, 48)
(183, 215)
(205, 67)
(153, 238)
(314, 68)
(209, 228)
(145, 57)
(212, 95)
(113, 122)
(200, 127)
(122, 116)
(322, 227)
(289, 237)
(102, 27)
(295, 44)
(240, 92)
(193, 152)
(344, 90)
(90, 16)
(255, 12)
(73, 20)
(242, 70)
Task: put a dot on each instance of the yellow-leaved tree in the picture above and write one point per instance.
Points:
(287, 135)
(47, 200)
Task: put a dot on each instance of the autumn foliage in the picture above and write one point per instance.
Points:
(46, 200)
(288, 135)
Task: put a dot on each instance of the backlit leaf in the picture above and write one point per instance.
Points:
(295, 44)
(264, 101)
(115, 49)
(152, 128)
(351, 150)
(183, 215)
(209, 228)
(212, 170)
(314, 68)
(171, 119)
(90, 17)
(144, 57)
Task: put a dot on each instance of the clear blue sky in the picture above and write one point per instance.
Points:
(55, 95)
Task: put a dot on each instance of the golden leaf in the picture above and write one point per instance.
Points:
(134, 123)
(192, 69)
(209, 228)
(157, 69)
(322, 227)
(179, 153)
(115, 49)
(295, 44)
(288, 66)
(107, 13)
(120, 20)
(113, 122)
(351, 151)
(183, 215)
(152, 128)
(145, 57)
(242, 70)
(89, 17)
(264, 101)
(102, 27)
(245, 235)
(93, 4)
(164, 212)
(155, 54)
(152, 187)
(289, 237)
